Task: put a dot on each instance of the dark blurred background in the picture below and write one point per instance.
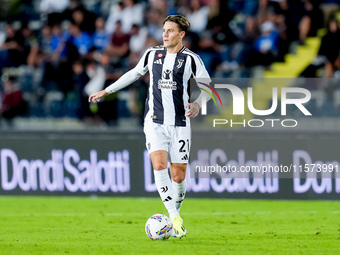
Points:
(53, 54)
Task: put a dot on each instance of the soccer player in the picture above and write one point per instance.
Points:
(168, 111)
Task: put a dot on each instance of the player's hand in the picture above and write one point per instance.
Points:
(193, 110)
(97, 96)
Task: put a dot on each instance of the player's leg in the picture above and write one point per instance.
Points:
(179, 184)
(179, 156)
(157, 143)
(159, 160)
(178, 171)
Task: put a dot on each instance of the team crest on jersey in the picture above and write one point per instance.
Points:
(160, 55)
(180, 63)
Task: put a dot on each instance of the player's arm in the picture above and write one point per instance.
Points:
(196, 105)
(125, 80)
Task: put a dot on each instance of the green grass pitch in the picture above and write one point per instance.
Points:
(61, 225)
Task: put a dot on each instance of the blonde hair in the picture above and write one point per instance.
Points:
(181, 21)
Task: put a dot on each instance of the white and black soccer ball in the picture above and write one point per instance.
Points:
(158, 227)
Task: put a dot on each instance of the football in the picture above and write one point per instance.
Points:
(158, 227)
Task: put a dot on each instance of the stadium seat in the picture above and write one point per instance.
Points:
(71, 108)
(38, 110)
(312, 107)
(327, 109)
(56, 109)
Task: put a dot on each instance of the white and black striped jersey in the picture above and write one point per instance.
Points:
(169, 83)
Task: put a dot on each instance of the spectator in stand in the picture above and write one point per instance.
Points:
(84, 19)
(329, 8)
(224, 37)
(12, 50)
(266, 46)
(81, 39)
(115, 15)
(111, 74)
(216, 43)
(247, 40)
(182, 7)
(45, 40)
(58, 42)
(30, 40)
(209, 51)
(42, 50)
(80, 79)
(267, 8)
(308, 16)
(219, 13)
(58, 66)
(155, 19)
(100, 38)
(101, 74)
(12, 103)
(119, 47)
(137, 43)
(330, 48)
(132, 14)
(328, 53)
(275, 12)
(197, 16)
(128, 12)
(55, 45)
(108, 108)
(52, 10)
(311, 21)
(160, 5)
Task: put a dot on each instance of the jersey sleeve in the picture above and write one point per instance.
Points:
(200, 71)
(202, 76)
(131, 76)
(124, 81)
(142, 66)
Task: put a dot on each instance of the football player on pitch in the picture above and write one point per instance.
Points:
(168, 111)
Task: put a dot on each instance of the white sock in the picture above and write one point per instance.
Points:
(165, 191)
(179, 192)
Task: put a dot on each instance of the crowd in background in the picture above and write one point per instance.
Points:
(53, 54)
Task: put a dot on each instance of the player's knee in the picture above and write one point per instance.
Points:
(178, 178)
(159, 166)
(178, 171)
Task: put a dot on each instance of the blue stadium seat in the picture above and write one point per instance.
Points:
(38, 110)
(328, 109)
(72, 108)
(312, 107)
(123, 109)
(26, 82)
(56, 109)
